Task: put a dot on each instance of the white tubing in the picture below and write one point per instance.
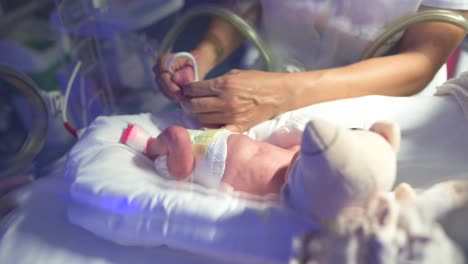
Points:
(183, 54)
(195, 72)
(68, 90)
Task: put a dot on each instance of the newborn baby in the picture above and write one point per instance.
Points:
(214, 156)
(218, 156)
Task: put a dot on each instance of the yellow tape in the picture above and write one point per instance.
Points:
(201, 140)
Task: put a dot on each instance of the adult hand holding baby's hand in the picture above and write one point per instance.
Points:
(171, 84)
(238, 100)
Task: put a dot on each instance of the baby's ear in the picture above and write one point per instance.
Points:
(390, 131)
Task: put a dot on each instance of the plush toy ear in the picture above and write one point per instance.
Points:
(390, 131)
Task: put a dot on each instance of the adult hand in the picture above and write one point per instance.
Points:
(171, 84)
(237, 100)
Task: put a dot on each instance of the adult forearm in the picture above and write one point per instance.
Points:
(220, 40)
(423, 50)
(397, 75)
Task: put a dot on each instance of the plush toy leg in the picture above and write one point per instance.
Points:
(405, 193)
(444, 197)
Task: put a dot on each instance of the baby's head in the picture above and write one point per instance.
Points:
(339, 167)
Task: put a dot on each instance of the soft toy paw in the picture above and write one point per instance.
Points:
(342, 178)
(392, 229)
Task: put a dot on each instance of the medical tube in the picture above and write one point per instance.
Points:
(407, 21)
(239, 23)
(24, 87)
(184, 54)
(400, 24)
(70, 82)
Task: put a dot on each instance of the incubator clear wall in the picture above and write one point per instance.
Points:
(116, 58)
(30, 55)
(45, 40)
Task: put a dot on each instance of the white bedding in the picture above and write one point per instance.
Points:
(434, 131)
(117, 195)
(434, 147)
(39, 233)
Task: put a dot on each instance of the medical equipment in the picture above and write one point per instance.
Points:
(195, 70)
(104, 76)
(111, 64)
(28, 237)
(23, 122)
(372, 50)
(208, 10)
(184, 54)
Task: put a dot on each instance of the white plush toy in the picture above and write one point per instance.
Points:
(342, 178)
(340, 168)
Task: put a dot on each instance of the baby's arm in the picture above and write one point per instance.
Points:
(173, 142)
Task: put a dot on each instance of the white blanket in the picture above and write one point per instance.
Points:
(458, 87)
(38, 232)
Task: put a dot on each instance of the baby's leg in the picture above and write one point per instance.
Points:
(175, 143)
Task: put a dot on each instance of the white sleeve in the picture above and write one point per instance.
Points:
(451, 4)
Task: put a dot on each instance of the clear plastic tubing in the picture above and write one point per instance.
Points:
(249, 32)
(407, 21)
(209, 10)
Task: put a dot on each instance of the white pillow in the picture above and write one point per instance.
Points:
(117, 195)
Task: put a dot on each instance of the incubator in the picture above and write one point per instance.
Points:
(107, 72)
(113, 61)
(104, 66)
(57, 76)
(23, 125)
